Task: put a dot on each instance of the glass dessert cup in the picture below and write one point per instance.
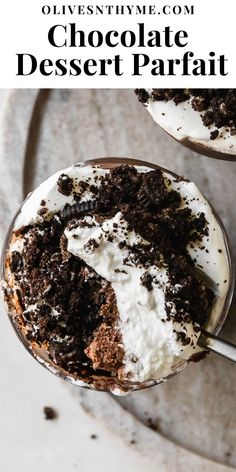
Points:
(185, 124)
(213, 325)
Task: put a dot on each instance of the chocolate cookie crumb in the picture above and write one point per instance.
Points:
(146, 281)
(50, 413)
(76, 210)
(65, 184)
(16, 261)
(153, 425)
(132, 441)
(214, 134)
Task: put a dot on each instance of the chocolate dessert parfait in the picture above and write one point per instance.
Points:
(106, 273)
(202, 119)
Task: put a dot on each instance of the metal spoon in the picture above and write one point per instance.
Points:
(218, 345)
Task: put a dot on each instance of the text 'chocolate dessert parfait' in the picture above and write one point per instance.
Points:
(202, 119)
(103, 275)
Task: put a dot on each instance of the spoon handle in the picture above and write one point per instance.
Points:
(219, 346)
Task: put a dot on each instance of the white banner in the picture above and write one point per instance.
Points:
(117, 45)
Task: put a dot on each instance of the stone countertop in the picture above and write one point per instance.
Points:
(191, 418)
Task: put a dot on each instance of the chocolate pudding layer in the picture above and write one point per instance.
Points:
(106, 274)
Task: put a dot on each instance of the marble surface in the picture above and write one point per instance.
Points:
(193, 415)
